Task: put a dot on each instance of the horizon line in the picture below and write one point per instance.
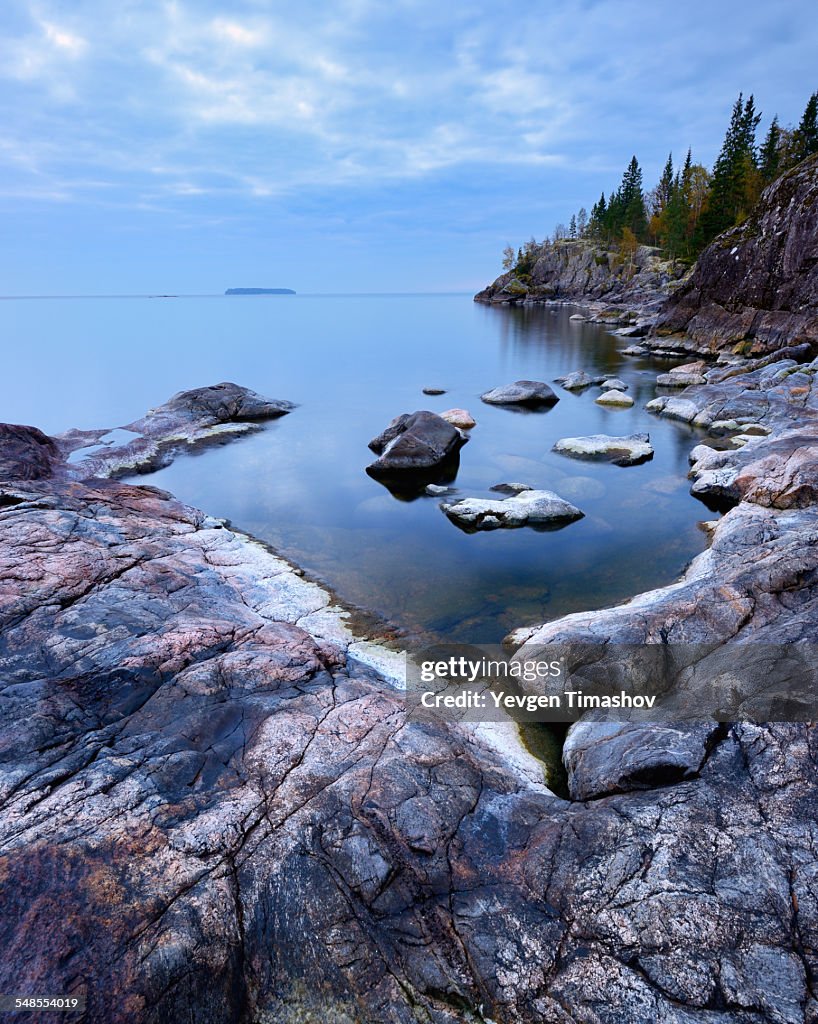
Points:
(223, 295)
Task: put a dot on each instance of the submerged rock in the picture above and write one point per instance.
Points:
(525, 508)
(578, 380)
(621, 451)
(614, 398)
(522, 392)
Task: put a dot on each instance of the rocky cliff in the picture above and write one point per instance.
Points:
(586, 272)
(755, 289)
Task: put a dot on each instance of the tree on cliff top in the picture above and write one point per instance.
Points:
(735, 184)
(805, 137)
(769, 156)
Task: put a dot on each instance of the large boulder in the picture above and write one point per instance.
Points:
(621, 451)
(526, 508)
(522, 392)
(415, 441)
(26, 453)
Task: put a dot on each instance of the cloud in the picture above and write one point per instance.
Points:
(62, 39)
(179, 99)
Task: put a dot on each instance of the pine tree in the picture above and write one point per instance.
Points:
(572, 226)
(806, 134)
(769, 156)
(599, 213)
(664, 189)
(734, 185)
(631, 201)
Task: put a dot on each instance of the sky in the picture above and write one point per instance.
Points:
(352, 145)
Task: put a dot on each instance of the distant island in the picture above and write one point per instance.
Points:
(259, 291)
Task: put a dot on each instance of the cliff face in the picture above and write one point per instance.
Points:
(585, 271)
(755, 289)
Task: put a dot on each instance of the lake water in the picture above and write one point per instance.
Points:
(353, 363)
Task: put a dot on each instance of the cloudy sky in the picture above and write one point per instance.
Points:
(352, 145)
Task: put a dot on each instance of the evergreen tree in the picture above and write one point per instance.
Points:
(631, 200)
(664, 190)
(734, 185)
(806, 134)
(572, 227)
(675, 219)
(769, 156)
(599, 213)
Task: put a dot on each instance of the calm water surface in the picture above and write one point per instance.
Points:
(352, 363)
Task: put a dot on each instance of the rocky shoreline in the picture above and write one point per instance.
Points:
(213, 802)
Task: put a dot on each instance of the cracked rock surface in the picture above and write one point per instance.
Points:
(212, 808)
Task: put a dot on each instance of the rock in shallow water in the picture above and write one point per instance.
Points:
(521, 392)
(614, 384)
(218, 403)
(190, 419)
(621, 451)
(461, 418)
(526, 508)
(578, 380)
(415, 441)
(614, 398)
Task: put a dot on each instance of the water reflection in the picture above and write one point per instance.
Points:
(353, 364)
